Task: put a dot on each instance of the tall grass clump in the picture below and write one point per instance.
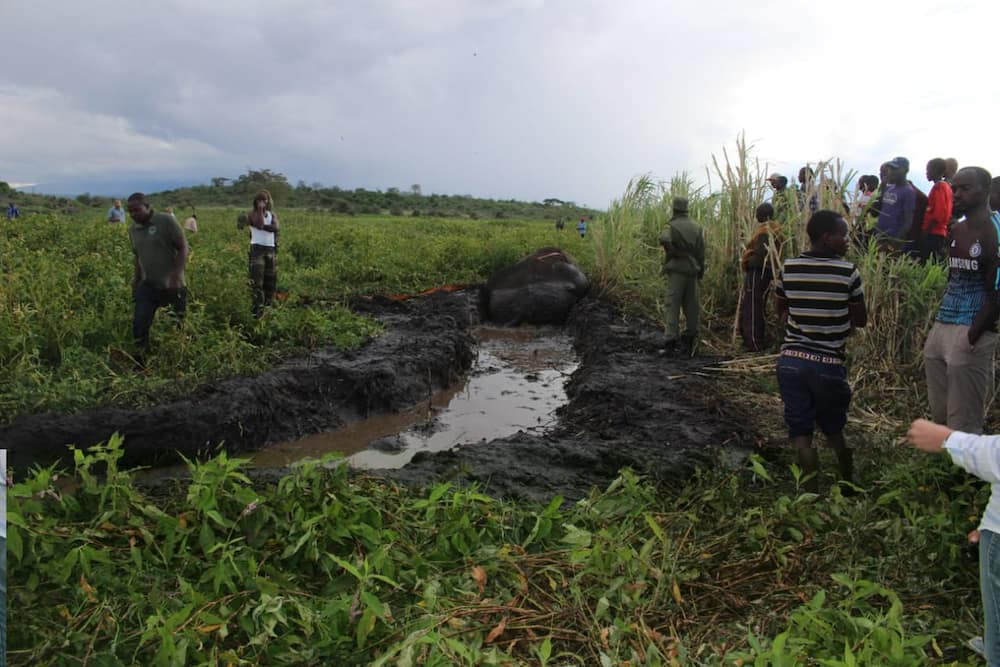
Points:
(902, 298)
(625, 244)
(729, 224)
(627, 256)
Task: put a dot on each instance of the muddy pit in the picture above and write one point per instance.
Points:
(516, 382)
(433, 411)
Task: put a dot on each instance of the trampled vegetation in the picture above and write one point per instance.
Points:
(737, 568)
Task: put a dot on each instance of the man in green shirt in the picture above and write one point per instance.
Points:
(684, 246)
(161, 252)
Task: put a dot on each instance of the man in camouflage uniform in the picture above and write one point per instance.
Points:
(684, 246)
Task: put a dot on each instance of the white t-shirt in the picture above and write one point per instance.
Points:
(980, 455)
(259, 236)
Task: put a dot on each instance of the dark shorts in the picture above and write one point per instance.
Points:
(815, 394)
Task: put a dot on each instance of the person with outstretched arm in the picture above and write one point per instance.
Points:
(978, 455)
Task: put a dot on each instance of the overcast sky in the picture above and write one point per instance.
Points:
(522, 99)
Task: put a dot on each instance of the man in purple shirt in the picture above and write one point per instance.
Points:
(897, 207)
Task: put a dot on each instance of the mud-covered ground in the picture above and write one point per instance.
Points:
(628, 406)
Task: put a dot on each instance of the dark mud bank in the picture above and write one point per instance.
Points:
(628, 406)
(426, 346)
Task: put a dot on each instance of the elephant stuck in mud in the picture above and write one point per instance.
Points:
(539, 289)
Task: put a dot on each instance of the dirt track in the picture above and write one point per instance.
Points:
(628, 406)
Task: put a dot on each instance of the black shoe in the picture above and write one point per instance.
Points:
(845, 464)
(808, 460)
(687, 345)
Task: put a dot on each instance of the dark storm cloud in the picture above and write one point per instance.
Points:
(504, 99)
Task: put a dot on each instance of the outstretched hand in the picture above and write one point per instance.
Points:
(927, 435)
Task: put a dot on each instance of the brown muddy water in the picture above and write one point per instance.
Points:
(515, 384)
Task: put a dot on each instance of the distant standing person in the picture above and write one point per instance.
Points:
(937, 215)
(779, 200)
(161, 251)
(808, 194)
(820, 298)
(264, 225)
(864, 201)
(684, 265)
(116, 214)
(950, 168)
(191, 224)
(13, 212)
(867, 187)
(582, 226)
(897, 207)
(994, 194)
(756, 263)
(958, 354)
(560, 225)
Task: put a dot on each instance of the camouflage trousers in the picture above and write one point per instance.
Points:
(682, 295)
(263, 276)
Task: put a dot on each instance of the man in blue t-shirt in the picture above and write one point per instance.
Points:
(958, 354)
(896, 207)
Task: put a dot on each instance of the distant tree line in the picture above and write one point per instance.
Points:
(222, 191)
(238, 192)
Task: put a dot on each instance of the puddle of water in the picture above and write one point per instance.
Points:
(516, 383)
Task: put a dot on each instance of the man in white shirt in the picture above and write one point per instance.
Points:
(980, 456)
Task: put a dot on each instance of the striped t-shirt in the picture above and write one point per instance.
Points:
(818, 289)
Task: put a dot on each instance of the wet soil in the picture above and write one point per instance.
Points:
(515, 383)
(426, 345)
(628, 406)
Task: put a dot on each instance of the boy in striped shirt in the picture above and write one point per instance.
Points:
(820, 299)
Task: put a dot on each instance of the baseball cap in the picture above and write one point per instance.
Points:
(775, 176)
(899, 163)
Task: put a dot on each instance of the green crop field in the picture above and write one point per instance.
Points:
(66, 310)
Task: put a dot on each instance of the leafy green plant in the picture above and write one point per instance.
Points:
(865, 627)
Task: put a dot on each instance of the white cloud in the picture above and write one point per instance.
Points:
(46, 138)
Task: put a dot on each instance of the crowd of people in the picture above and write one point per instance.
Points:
(819, 299)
